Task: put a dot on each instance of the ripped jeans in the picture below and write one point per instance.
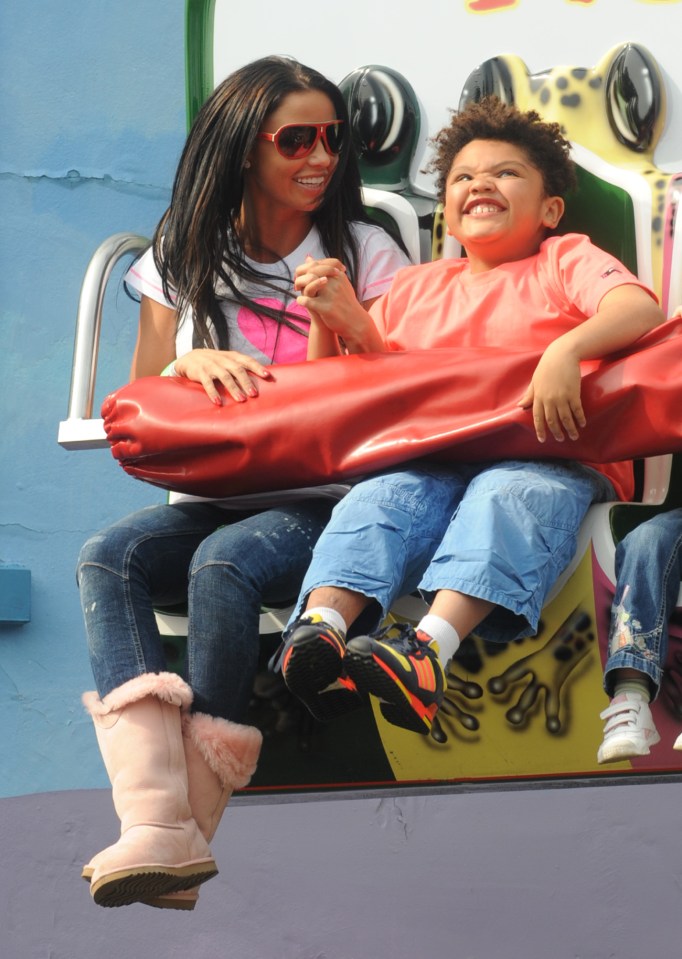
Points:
(648, 573)
(224, 563)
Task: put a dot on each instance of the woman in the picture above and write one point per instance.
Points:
(267, 178)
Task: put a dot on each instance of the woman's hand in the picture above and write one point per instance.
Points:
(554, 395)
(312, 277)
(233, 370)
(326, 292)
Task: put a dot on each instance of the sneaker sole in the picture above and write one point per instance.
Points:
(617, 752)
(398, 706)
(311, 667)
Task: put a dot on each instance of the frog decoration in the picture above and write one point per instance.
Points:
(616, 111)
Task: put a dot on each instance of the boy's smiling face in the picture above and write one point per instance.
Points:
(496, 204)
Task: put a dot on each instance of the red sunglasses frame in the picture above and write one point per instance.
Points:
(321, 135)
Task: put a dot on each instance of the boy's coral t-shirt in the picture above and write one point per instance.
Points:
(522, 306)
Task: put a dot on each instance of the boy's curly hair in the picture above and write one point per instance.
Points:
(491, 119)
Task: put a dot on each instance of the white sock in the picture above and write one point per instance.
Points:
(640, 687)
(330, 616)
(444, 635)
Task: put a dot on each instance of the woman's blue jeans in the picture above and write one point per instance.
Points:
(225, 564)
(648, 573)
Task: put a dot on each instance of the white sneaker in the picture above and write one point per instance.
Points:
(629, 729)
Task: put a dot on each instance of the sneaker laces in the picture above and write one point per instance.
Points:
(405, 633)
(403, 630)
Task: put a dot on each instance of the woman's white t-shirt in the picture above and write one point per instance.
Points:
(265, 339)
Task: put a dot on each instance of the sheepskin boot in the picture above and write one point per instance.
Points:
(221, 756)
(161, 849)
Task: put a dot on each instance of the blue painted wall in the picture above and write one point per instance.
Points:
(91, 125)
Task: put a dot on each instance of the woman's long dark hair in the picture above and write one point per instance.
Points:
(196, 243)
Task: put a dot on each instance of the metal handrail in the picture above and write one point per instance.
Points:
(79, 430)
(89, 320)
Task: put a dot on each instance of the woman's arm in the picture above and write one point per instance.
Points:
(155, 347)
(321, 340)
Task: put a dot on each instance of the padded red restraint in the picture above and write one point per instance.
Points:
(343, 417)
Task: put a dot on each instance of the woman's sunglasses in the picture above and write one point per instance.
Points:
(297, 140)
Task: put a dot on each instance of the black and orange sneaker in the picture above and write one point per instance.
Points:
(400, 666)
(313, 669)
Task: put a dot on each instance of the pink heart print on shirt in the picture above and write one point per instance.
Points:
(275, 340)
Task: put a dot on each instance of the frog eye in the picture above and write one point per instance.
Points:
(491, 78)
(634, 97)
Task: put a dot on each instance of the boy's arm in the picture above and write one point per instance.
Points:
(625, 313)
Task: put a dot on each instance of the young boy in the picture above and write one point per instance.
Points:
(486, 541)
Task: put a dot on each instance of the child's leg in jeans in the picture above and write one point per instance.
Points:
(375, 548)
(648, 571)
(513, 534)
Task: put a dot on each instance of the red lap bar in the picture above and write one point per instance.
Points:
(344, 417)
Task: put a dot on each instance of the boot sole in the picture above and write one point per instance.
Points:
(145, 883)
(169, 902)
(159, 902)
